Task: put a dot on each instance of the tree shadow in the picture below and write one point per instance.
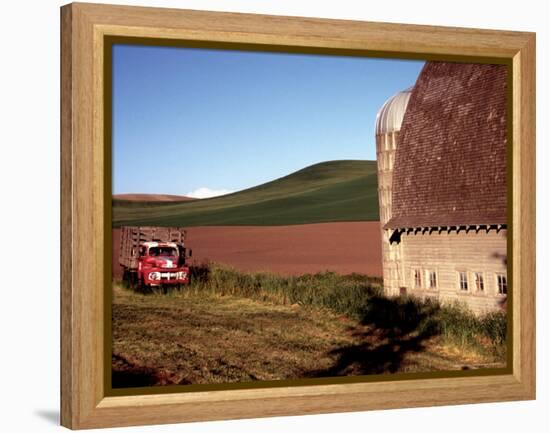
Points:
(393, 328)
(126, 375)
(133, 378)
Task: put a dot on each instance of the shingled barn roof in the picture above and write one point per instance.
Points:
(450, 164)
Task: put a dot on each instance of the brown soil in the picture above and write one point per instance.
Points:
(291, 250)
(152, 197)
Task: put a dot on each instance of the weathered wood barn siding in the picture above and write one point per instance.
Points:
(449, 254)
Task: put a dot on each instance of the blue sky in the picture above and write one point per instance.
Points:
(209, 121)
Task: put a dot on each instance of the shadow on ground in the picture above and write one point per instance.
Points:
(127, 375)
(392, 329)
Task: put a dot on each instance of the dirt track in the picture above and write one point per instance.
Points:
(291, 250)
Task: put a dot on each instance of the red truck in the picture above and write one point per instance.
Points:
(154, 256)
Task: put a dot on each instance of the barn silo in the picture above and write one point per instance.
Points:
(387, 127)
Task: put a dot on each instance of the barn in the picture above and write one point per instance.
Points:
(442, 157)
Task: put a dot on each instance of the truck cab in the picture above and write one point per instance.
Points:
(162, 263)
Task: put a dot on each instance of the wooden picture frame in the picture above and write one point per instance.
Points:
(84, 29)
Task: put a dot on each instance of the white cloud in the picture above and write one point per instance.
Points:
(205, 192)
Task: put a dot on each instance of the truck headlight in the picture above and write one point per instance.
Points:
(182, 275)
(154, 276)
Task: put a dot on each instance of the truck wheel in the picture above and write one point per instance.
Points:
(127, 282)
(140, 285)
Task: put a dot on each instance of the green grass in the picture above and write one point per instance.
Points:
(326, 192)
(359, 297)
(341, 294)
(463, 328)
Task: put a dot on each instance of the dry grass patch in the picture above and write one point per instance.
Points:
(185, 338)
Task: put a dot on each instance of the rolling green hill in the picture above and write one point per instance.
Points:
(326, 192)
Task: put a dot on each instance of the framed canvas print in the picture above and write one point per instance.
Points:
(268, 216)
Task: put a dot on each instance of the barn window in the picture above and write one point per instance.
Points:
(502, 284)
(432, 279)
(417, 279)
(480, 284)
(463, 281)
